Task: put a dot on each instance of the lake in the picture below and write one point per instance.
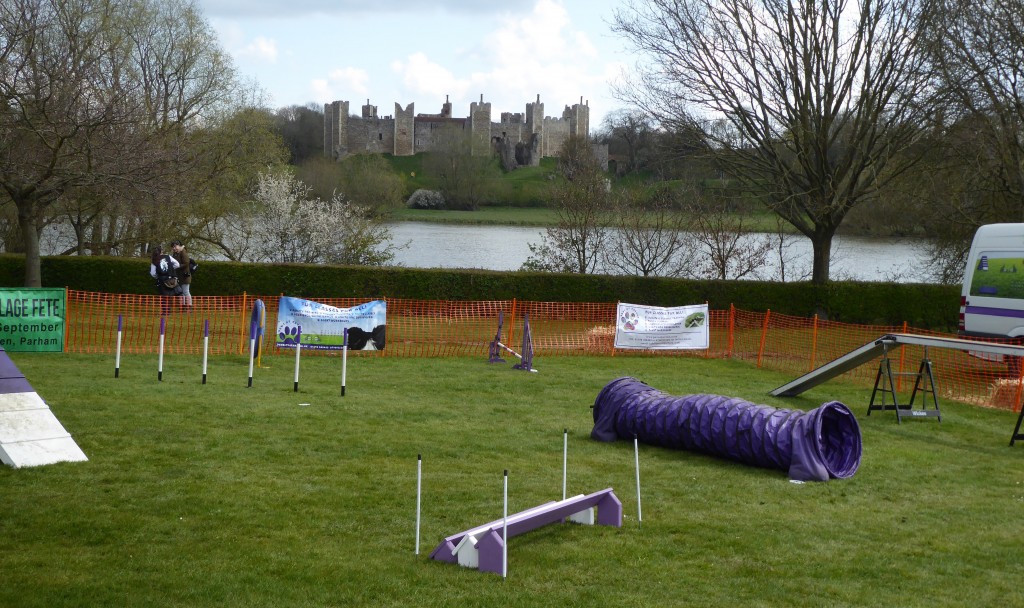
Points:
(433, 245)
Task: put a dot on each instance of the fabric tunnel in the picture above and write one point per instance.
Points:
(811, 446)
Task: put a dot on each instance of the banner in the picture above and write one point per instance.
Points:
(320, 326)
(32, 319)
(654, 327)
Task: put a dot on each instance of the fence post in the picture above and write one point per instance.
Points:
(615, 325)
(903, 360)
(512, 322)
(814, 344)
(764, 336)
(732, 331)
(241, 327)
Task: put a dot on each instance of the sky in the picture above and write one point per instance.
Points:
(420, 51)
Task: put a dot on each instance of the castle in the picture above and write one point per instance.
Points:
(531, 135)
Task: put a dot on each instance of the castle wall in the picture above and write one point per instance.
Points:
(480, 128)
(427, 128)
(373, 136)
(405, 131)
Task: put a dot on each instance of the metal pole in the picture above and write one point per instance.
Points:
(160, 359)
(419, 488)
(639, 512)
(298, 348)
(117, 352)
(504, 533)
(565, 458)
(206, 346)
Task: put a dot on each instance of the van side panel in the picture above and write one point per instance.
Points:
(993, 292)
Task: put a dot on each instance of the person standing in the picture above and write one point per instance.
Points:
(163, 268)
(184, 273)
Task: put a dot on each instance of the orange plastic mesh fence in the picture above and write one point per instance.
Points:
(435, 328)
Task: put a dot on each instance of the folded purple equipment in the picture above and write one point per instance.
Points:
(817, 445)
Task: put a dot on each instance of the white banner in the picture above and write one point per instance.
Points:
(655, 327)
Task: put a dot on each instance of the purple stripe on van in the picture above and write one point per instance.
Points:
(994, 312)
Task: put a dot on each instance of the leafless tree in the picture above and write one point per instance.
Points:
(822, 96)
(652, 237)
(726, 250)
(582, 200)
(977, 49)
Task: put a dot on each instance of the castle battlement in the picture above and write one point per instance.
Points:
(407, 133)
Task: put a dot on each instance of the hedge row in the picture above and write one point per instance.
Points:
(922, 306)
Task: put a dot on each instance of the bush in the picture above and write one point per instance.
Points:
(426, 199)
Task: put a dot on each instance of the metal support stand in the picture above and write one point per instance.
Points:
(924, 383)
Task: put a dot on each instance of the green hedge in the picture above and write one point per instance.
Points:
(922, 306)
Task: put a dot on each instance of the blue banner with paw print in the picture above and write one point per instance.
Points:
(319, 326)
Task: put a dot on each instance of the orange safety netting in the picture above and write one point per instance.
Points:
(437, 328)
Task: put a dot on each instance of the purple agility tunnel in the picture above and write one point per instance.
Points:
(811, 446)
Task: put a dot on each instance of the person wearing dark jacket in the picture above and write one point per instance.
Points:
(184, 273)
(162, 268)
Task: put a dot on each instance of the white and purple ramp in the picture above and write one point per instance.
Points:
(30, 435)
(482, 547)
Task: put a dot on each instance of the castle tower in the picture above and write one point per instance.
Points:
(336, 129)
(369, 111)
(446, 109)
(405, 130)
(579, 119)
(480, 127)
(535, 122)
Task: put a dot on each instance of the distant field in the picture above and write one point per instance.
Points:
(220, 495)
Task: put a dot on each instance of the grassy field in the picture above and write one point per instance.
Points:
(222, 495)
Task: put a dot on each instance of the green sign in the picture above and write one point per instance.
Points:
(32, 319)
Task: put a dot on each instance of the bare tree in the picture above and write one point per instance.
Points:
(629, 131)
(652, 237)
(821, 95)
(977, 176)
(726, 249)
(582, 200)
(462, 176)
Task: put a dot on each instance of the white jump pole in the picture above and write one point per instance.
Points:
(419, 489)
(344, 358)
(252, 350)
(565, 459)
(298, 349)
(639, 512)
(117, 351)
(504, 533)
(206, 346)
(160, 359)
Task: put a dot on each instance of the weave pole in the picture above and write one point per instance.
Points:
(504, 533)
(419, 489)
(252, 350)
(206, 346)
(344, 358)
(298, 349)
(117, 350)
(565, 459)
(160, 359)
(636, 453)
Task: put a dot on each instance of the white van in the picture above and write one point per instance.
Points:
(992, 300)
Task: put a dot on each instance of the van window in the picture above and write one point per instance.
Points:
(998, 274)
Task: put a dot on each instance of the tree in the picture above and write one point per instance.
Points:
(113, 109)
(462, 177)
(283, 224)
(629, 132)
(819, 97)
(582, 201)
(977, 145)
(302, 129)
(651, 237)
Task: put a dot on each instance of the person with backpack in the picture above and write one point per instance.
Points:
(184, 272)
(163, 268)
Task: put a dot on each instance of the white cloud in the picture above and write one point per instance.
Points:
(348, 80)
(421, 75)
(260, 49)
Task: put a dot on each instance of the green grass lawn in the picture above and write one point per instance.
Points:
(222, 495)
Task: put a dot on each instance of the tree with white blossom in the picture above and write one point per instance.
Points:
(284, 224)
